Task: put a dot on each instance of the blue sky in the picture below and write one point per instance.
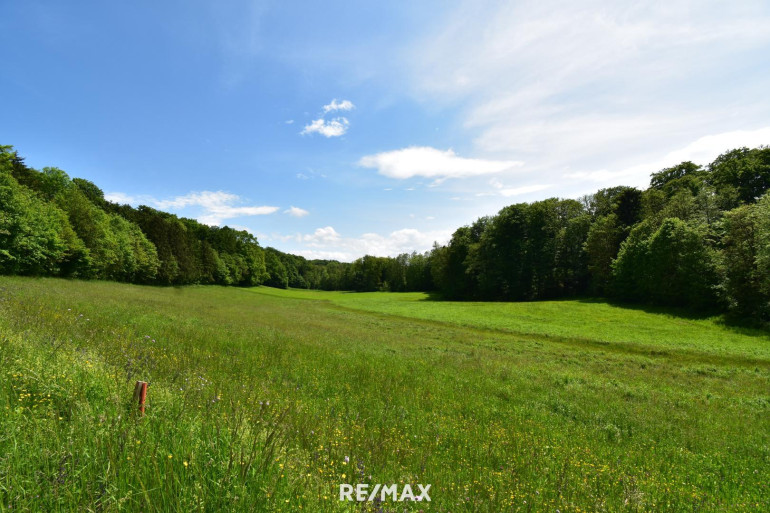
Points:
(336, 129)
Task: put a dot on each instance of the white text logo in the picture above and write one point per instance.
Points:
(361, 493)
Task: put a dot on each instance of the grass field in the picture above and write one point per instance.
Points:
(267, 400)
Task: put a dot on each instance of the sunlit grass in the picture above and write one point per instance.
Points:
(594, 321)
(262, 400)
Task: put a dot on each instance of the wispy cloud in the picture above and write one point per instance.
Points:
(213, 206)
(519, 191)
(502, 190)
(701, 151)
(296, 212)
(432, 163)
(335, 106)
(333, 128)
(576, 87)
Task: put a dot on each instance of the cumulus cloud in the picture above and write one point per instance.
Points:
(333, 128)
(213, 207)
(327, 243)
(335, 106)
(321, 237)
(296, 211)
(432, 163)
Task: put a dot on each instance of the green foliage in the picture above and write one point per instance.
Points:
(747, 259)
(35, 236)
(118, 249)
(91, 191)
(741, 175)
(762, 213)
(685, 176)
(53, 181)
(571, 260)
(276, 270)
(455, 267)
(623, 202)
(671, 266)
(601, 247)
(500, 261)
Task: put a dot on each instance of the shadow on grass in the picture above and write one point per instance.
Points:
(434, 296)
(733, 323)
(740, 325)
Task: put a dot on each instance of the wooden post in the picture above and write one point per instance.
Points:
(140, 394)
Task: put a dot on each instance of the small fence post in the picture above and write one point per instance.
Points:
(140, 394)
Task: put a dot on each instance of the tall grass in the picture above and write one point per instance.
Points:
(261, 400)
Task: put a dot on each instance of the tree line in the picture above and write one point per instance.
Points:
(56, 226)
(698, 236)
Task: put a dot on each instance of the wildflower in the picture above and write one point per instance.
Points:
(170, 456)
(184, 463)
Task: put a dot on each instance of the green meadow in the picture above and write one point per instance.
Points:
(267, 400)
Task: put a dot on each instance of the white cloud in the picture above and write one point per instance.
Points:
(289, 122)
(432, 163)
(334, 128)
(213, 206)
(312, 254)
(502, 190)
(576, 87)
(296, 212)
(335, 106)
(496, 183)
(321, 236)
(329, 244)
(120, 198)
(205, 199)
(701, 151)
(518, 191)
